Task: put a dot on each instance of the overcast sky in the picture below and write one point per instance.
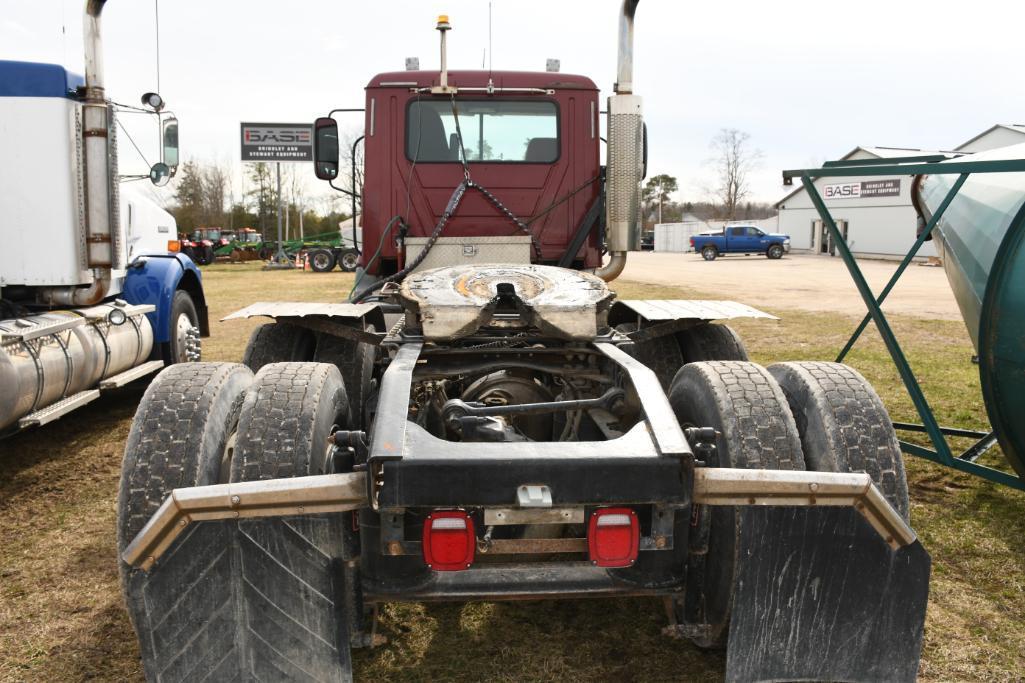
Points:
(808, 80)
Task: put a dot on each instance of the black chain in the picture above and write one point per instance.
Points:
(450, 209)
(511, 216)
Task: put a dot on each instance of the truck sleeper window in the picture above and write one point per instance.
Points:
(493, 131)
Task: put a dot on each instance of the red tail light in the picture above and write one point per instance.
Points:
(449, 540)
(613, 537)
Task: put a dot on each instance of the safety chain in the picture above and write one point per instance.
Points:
(511, 216)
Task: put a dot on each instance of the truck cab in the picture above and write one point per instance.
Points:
(530, 139)
(93, 291)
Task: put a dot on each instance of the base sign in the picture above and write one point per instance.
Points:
(866, 188)
(277, 142)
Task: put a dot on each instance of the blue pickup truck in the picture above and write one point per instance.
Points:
(740, 239)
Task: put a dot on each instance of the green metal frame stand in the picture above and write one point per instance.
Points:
(909, 166)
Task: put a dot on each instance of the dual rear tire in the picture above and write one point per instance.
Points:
(823, 417)
(260, 597)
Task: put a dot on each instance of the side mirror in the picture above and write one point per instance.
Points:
(169, 148)
(159, 174)
(325, 148)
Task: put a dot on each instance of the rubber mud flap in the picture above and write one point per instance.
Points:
(820, 596)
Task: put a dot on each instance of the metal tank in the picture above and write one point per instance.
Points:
(50, 356)
(981, 238)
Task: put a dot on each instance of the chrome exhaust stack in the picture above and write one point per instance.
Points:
(625, 162)
(103, 242)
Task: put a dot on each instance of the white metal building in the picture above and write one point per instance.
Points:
(874, 214)
(676, 236)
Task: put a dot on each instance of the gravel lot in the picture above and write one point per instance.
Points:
(798, 281)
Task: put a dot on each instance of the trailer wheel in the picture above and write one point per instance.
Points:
(290, 578)
(180, 434)
(843, 425)
(278, 342)
(709, 252)
(321, 260)
(774, 252)
(349, 260)
(265, 253)
(182, 321)
(747, 408)
(710, 341)
(355, 360)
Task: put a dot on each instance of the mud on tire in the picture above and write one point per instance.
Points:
(278, 342)
(255, 599)
(710, 341)
(178, 437)
(746, 406)
(843, 425)
(355, 360)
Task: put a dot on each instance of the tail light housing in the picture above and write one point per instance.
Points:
(613, 537)
(449, 540)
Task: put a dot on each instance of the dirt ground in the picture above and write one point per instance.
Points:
(61, 612)
(799, 281)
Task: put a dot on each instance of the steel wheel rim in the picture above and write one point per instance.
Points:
(349, 261)
(182, 328)
(320, 260)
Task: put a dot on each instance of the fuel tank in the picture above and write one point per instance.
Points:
(53, 355)
(981, 239)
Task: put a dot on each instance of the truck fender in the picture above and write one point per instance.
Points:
(154, 278)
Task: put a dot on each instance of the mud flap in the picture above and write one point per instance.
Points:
(820, 596)
(256, 599)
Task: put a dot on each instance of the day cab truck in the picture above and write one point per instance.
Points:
(484, 419)
(91, 297)
(740, 239)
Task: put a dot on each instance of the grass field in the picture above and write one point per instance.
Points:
(61, 617)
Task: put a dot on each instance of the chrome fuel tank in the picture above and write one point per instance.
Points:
(53, 355)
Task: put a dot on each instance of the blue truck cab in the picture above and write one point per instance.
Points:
(740, 239)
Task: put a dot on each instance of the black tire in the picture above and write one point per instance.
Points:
(349, 260)
(290, 580)
(661, 354)
(183, 311)
(179, 437)
(775, 251)
(844, 426)
(710, 341)
(279, 342)
(709, 252)
(265, 253)
(204, 255)
(321, 260)
(747, 408)
(355, 361)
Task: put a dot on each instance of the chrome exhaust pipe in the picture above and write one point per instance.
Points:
(625, 62)
(102, 222)
(625, 162)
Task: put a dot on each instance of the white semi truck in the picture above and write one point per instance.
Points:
(91, 298)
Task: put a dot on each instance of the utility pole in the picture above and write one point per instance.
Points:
(281, 257)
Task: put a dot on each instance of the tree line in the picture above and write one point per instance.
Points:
(205, 196)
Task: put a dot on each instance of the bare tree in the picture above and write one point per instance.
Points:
(733, 162)
(345, 152)
(215, 187)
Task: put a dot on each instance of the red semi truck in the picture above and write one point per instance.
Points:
(485, 420)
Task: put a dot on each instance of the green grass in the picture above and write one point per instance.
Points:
(61, 617)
